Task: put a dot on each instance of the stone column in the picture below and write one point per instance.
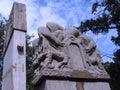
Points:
(14, 67)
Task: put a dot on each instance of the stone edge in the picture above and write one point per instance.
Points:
(74, 75)
(6, 47)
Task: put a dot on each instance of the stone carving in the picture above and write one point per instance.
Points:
(66, 50)
(92, 54)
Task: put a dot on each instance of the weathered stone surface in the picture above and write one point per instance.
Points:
(58, 85)
(75, 74)
(17, 20)
(66, 53)
(18, 16)
(14, 66)
(79, 85)
(96, 86)
(53, 26)
(43, 30)
(72, 85)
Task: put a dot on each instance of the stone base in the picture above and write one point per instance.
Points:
(50, 79)
(69, 75)
(72, 85)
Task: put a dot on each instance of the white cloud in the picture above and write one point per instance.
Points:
(5, 7)
(65, 13)
(46, 15)
(39, 16)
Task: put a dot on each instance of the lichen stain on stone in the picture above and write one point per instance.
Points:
(81, 74)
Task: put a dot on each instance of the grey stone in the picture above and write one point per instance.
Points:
(68, 55)
(58, 85)
(79, 85)
(53, 26)
(96, 86)
(17, 20)
(14, 66)
(72, 85)
(66, 51)
(43, 30)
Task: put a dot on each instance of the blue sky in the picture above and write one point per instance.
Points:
(64, 12)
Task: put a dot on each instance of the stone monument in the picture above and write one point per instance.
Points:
(14, 67)
(65, 59)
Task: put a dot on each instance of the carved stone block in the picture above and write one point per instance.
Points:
(66, 53)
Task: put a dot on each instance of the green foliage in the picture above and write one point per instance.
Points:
(117, 56)
(113, 70)
(29, 52)
(29, 61)
(3, 22)
(94, 7)
(98, 25)
(107, 15)
(2, 30)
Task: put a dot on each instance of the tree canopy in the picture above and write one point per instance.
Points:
(2, 30)
(107, 17)
(29, 61)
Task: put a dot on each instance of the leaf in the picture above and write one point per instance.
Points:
(94, 7)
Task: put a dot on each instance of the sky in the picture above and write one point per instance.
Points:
(63, 12)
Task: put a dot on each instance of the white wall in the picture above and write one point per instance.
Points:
(14, 69)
